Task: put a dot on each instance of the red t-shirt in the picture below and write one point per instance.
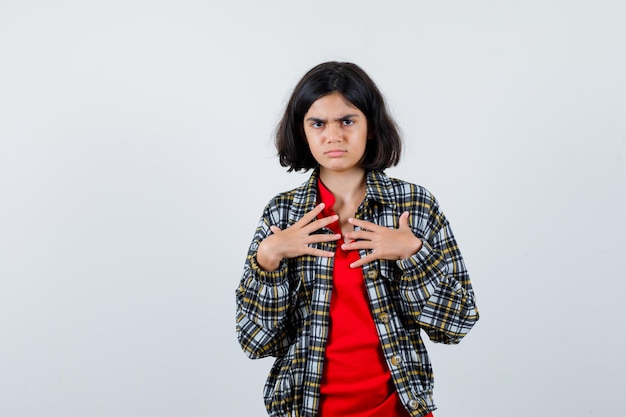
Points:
(355, 381)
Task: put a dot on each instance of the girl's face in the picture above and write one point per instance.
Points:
(336, 133)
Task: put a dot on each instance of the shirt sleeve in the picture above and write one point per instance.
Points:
(435, 284)
(263, 300)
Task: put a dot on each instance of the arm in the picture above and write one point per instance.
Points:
(267, 292)
(435, 284)
(263, 304)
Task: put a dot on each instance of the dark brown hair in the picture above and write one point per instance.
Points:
(384, 146)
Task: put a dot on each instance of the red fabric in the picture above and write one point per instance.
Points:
(356, 381)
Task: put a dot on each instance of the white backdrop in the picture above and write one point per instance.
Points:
(136, 156)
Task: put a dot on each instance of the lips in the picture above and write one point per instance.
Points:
(334, 153)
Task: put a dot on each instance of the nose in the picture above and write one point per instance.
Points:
(333, 132)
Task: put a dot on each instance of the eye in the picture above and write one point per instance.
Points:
(348, 122)
(317, 125)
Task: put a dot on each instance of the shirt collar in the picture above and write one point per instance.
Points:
(326, 197)
(379, 189)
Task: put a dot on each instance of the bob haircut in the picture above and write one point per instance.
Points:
(384, 145)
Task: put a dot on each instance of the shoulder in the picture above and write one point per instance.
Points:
(425, 213)
(294, 202)
(297, 195)
(402, 192)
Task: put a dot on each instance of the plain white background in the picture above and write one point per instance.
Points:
(136, 156)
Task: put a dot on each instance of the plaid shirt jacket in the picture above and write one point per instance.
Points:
(285, 313)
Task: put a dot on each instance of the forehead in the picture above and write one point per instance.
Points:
(333, 102)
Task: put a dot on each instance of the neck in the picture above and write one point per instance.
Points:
(346, 185)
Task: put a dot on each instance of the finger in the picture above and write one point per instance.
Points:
(323, 237)
(311, 215)
(367, 259)
(320, 223)
(358, 244)
(319, 252)
(275, 229)
(360, 235)
(363, 224)
(404, 220)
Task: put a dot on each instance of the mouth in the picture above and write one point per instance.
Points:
(334, 153)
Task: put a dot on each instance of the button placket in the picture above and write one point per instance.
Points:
(372, 274)
(383, 318)
(396, 360)
(416, 404)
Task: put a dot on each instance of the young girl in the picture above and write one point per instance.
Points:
(346, 271)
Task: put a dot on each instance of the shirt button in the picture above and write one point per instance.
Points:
(396, 360)
(413, 404)
(372, 274)
(383, 318)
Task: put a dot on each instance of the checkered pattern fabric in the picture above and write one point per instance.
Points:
(285, 313)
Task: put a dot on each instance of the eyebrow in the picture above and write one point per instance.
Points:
(340, 119)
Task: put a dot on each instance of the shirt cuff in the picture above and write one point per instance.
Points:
(420, 260)
(269, 277)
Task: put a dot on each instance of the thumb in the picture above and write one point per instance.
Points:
(275, 229)
(404, 220)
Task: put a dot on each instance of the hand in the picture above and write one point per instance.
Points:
(384, 243)
(295, 240)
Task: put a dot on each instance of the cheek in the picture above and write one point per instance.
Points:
(307, 135)
(311, 136)
(310, 143)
